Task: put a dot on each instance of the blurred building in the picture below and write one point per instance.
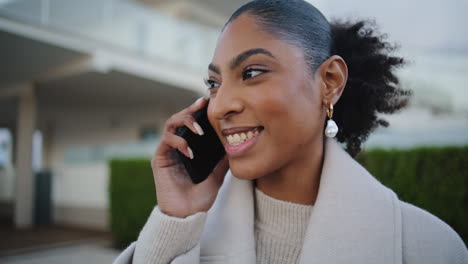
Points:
(96, 80)
(93, 80)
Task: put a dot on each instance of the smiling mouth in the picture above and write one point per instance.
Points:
(239, 138)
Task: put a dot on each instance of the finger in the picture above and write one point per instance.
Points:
(179, 120)
(197, 105)
(170, 141)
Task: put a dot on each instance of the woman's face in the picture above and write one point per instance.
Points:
(265, 105)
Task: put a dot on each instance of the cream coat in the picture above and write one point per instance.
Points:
(355, 220)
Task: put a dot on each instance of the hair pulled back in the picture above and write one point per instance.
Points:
(372, 86)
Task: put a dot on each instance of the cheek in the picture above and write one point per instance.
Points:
(294, 118)
(291, 121)
(210, 116)
(214, 123)
(290, 106)
(274, 99)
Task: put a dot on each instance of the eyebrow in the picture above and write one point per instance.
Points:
(241, 58)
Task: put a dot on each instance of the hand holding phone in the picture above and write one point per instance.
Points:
(207, 148)
(176, 193)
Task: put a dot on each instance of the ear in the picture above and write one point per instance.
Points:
(333, 75)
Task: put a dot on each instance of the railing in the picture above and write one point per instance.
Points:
(123, 24)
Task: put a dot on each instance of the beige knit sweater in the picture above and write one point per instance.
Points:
(280, 227)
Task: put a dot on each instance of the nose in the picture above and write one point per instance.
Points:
(226, 104)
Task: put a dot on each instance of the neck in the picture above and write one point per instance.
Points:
(298, 181)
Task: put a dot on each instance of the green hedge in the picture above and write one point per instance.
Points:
(132, 197)
(434, 178)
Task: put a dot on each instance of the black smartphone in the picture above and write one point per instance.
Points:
(207, 149)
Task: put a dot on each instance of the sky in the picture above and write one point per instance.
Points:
(433, 36)
(416, 24)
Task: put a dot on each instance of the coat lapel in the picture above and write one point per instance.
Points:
(355, 218)
(228, 235)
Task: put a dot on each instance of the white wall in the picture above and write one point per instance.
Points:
(78, 144)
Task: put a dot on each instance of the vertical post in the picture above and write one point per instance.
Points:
(26, 124)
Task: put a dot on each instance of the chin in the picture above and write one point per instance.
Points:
(244, 171)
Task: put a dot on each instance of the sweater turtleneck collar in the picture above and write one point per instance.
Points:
(283, 219)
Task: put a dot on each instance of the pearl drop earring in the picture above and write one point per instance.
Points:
(332, 129)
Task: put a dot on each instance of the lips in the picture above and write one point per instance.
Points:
(240, 140)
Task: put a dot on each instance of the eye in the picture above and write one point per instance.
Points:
(250, 73)
(211, 84)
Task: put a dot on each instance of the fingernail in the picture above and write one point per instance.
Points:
(190, 152)
(198, 128)
(198, 100)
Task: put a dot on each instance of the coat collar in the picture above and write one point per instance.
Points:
(355, 218)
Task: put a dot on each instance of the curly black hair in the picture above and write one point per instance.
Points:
(372, 85)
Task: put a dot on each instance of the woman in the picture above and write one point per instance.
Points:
(279, 74)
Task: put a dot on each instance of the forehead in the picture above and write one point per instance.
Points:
(242, 34)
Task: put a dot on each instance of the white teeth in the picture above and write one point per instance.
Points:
(236, 139)
(243, 136)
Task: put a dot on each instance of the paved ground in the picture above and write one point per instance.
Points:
(54, 244)
(88, 253)
(19, 240)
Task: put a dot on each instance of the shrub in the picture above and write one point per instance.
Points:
(433, 178)
(132, 197)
